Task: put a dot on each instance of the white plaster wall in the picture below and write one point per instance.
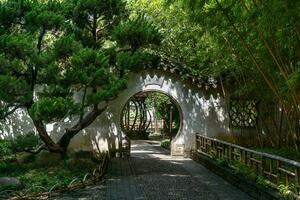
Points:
(202, 112)
(18, 123)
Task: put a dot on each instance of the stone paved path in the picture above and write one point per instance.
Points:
(152, 174)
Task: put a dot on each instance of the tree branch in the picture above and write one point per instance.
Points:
(86, 121)
(10, 112)
(39, 125)
(82, 103)
(40, 39)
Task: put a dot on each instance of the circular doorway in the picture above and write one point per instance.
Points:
(151, 115)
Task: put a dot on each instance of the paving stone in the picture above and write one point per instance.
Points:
(151, 174)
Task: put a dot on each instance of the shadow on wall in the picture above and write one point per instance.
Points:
(19, 123)
(202, 111)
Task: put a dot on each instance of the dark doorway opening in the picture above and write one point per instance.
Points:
(151, 115)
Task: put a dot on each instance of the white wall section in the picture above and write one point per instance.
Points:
(202, 112)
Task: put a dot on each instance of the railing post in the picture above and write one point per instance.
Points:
(202, 144)
(244, 157)
(261, 167)
(287, 180)
(231, 156)
(208, 146)
(278, 164)
(197, 143)
(297, 181)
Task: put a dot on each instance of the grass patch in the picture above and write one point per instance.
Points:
(39, 178)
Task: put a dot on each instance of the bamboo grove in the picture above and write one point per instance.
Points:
(251, 46)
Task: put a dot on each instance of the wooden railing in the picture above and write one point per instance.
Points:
(276, 169)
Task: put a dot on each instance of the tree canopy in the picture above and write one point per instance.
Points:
(54, 50)
(251, 47)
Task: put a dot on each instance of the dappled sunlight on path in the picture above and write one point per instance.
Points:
(151, 173)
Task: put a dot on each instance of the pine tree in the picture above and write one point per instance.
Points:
(50, 50)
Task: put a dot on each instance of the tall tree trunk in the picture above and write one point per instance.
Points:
(85, 122)
(39, 125)
(62, 145)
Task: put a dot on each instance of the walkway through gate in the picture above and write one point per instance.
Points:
(151, 173)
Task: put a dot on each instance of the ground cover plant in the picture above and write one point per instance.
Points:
(40, 172)
(249, 173)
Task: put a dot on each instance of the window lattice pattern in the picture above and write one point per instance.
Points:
(243, 113)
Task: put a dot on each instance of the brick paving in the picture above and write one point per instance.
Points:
(150, 173)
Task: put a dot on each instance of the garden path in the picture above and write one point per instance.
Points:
(151, 173)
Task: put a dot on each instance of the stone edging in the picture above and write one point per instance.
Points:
(247, 186)
(89, 179)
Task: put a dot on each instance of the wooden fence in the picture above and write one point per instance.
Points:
(276, 169)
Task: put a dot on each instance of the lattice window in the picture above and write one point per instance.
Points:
(243, 113)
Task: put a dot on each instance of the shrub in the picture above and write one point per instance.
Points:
(6, 167)
(245, 170)
(166, 143)
(24, 157)
(5, 148)
(222, 162)
(262, 181)
(22, 142)
(285, 190)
